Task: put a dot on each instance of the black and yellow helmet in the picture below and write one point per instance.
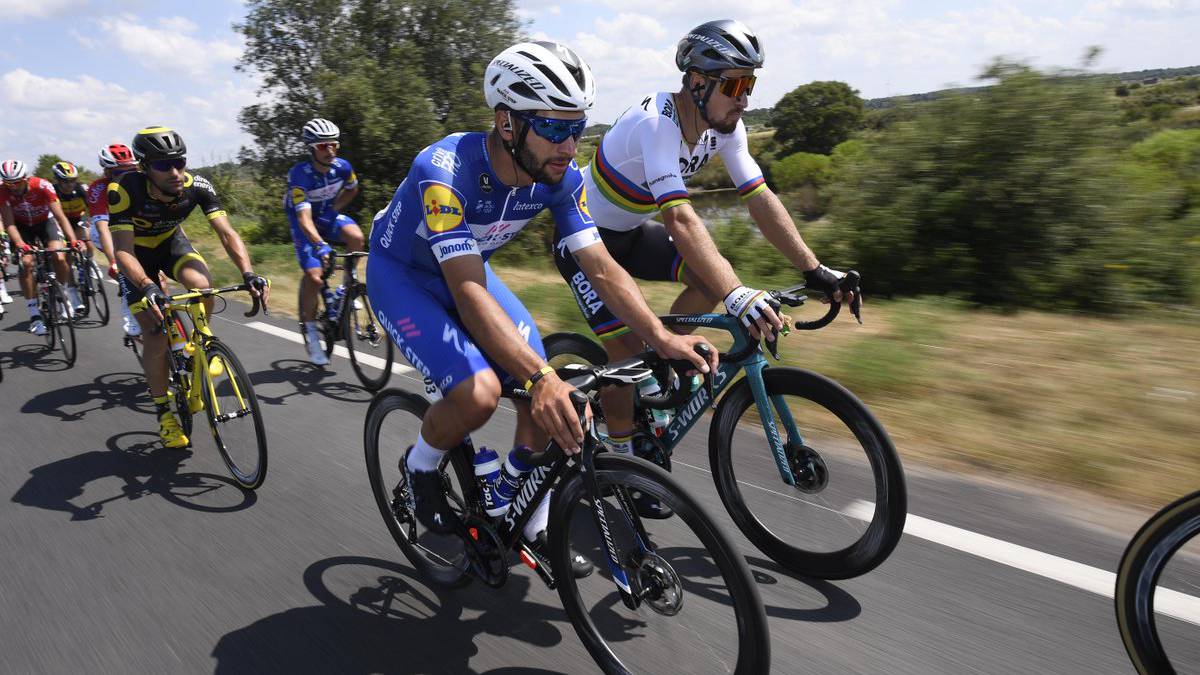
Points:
(64, 170)
(154, 143)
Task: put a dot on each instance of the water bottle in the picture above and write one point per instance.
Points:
(339, 295)
(487, 470)
(659, 419)
(509, 480)
(330, 303)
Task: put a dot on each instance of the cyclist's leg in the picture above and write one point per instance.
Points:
(30, 237)
(310, 280)
(349, 233)
(188, 267)
(154, 343)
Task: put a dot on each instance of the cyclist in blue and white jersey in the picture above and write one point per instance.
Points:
(639, 174)
(318, 189)
(449, 314)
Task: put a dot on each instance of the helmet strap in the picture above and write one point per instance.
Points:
(513, 149)
(701, 101)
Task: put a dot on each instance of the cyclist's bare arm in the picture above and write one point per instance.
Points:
(699, 251)
(127, 261)
(305, 219)
(10, 225)
(777, 227)
(344, 198)
(236, 249)
(106, 240)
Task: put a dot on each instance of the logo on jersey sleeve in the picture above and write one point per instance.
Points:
(118, 198)
(298, 196)
(443, 210)
(583, 202)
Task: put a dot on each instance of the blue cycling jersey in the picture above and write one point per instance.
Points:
(308, 188)
(452, 204)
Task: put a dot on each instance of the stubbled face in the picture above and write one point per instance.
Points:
(547, 161)
(723, 111)
(170, 182)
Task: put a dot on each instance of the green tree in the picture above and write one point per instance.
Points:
(393, 75)
(1001, 195)
(815, 117)
(801, 168)
(44, 164)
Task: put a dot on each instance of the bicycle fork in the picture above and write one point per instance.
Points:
(768, 407)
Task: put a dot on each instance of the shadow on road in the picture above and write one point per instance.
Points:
(145, 468)
(108, 391)
(35, 357)
(305, 379)
(839, 605)
(377, 616)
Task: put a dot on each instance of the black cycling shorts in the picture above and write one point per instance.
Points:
(167, 258)
(40, 234)
(646, 252)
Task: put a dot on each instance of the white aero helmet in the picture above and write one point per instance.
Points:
(320, 130)
(539, 76)
(13, 170)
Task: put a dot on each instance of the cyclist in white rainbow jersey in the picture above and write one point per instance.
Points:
(639, 173)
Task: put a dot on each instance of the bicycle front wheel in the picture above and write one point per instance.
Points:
(393, 422)
(699, 609)
(365, 337)
(234, 416)
(60, 325)
(846, 511)
(1160, 563)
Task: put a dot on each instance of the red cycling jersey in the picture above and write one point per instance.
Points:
(33, 207)
(97, 198)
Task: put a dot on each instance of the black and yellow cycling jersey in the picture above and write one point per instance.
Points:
(153, 222)
(74, 201)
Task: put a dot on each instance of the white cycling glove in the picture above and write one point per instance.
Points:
(747, 304)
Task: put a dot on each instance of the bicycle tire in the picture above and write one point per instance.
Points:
(753, 638)
(251, 480)
(1142, 563)
(96, 295)
(63, 331)
(879, 538)
(400, 522)
(361, 328)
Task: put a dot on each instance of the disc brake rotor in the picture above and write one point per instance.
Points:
(662, 591)
(808, 468)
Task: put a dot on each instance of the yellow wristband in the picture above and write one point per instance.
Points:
(542, 372)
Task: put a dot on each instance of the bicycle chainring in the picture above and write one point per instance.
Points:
(485, 551)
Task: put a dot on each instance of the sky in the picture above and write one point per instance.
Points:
(76, 75)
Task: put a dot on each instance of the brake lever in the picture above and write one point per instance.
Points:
(773, 344)
(850, 283)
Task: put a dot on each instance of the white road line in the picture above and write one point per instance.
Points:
(1171, 603)
(340, 350)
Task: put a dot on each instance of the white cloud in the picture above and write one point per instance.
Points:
(881, 47)
(169, 47)
(75, 117)
(15, 10)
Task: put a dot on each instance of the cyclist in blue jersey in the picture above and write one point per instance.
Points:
(318, 189)
(449, 314)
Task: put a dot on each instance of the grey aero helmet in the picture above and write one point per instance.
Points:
(539, 76)
(319, 130)
(719, 45)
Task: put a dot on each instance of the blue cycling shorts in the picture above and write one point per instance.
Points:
(417, 309)
(329, 228)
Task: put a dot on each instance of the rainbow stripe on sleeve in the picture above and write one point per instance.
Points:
(752, 187)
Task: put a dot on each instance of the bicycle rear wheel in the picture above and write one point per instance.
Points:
(699, 612)
(94, 293)
(1160, 561)
(234, 416)
(393, 421)
(365, 337)
(846, 512)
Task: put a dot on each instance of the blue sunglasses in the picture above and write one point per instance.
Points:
(554, 130)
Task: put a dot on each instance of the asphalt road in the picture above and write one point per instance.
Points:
(119, 556)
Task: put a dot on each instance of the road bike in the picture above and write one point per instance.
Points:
(1161, 558)
(352, 320)
(831, 502)
(54, 305)
(679, 584)
(206, 375)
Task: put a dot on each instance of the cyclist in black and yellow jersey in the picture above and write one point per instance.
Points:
(145, 210)
(73, 197)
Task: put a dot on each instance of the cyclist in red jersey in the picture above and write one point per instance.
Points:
(115, 159)
(30, 211)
